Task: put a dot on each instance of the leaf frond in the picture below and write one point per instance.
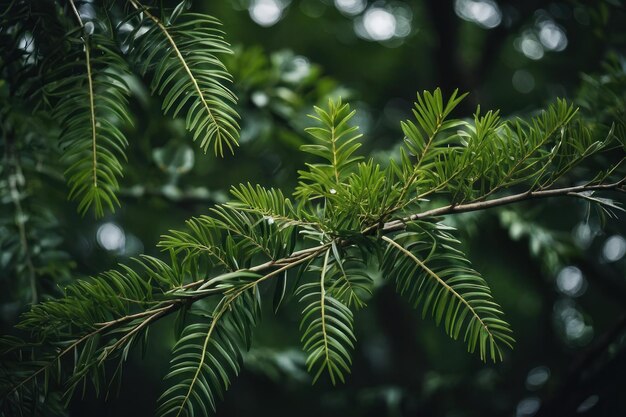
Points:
(183, 55)
(327, 330)
(207, 356)
(335, 141)
(91, 104)
(432, 273)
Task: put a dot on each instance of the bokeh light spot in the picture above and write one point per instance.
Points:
(583, 235)
(485, 13)
(379, 24)
(350, 7)
(523, 81)
(537, 377)
(570, 281)
(111, 237)
(266, 12)
(531, 47)
(527, 407)
(614, 248)
(552, 36)
(588, 404)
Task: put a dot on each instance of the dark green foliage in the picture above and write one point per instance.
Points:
(207, 356)
(327, 330)
(183, 55)
(335, 142)
(349, 219)
(31, 244)
(112, 295)
(76, 72)
(348, 277)
(258, 225)
(347, 207)
(603, 97)
(435, 276)
(91, 97)
(470, 161)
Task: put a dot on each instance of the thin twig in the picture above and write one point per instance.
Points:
(75, 10)
(400, 224)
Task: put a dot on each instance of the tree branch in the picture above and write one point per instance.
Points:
(400, 224)
(275, 267)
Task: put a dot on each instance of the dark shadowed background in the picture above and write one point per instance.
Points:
(557, 268)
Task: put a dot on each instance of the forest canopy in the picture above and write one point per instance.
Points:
(236, 207)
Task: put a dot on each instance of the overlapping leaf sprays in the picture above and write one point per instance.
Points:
(84, 83)
(349, 218)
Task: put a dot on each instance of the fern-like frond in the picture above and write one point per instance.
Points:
(92, 103)
(368, 198)
(183, 54)
(347, 277)
(434, 274)
(97, 320)
(336, 141)
(108, 296)
(267, 202)
(327, 329)
(424, 143)
(230, 238)
(27, 400)
(202, 238)
(494, 154)
(526, 146)
(255, 235)
(471, 160)
(431, 115)
(207, 356)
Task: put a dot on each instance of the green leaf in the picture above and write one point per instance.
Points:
(207, 356)
(280, 291)
(91, 106)
(327, 330)
(336, 141)
(432, 273)
(184, 57)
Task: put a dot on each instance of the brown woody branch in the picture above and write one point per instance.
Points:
(575, 191)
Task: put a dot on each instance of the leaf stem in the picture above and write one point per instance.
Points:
(323, 313)
(92, 110)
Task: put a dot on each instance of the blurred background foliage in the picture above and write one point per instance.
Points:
(557, 267)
